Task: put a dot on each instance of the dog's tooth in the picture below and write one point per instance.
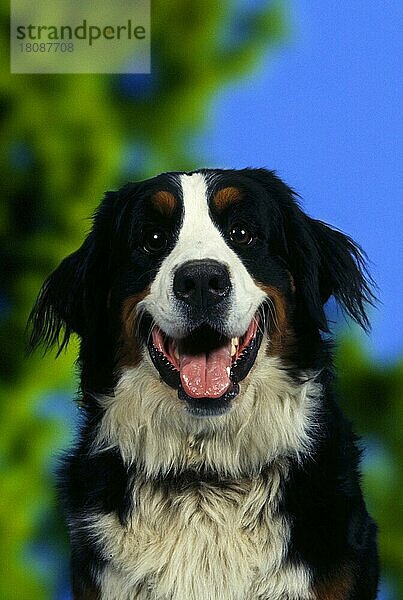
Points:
(228, 371)
(176, 352)
(234, 344)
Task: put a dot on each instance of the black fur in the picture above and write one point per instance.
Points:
(331, 529)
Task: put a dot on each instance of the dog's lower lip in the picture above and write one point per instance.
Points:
(207, 407)
(226, 362)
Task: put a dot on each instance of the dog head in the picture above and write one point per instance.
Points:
(197, 274)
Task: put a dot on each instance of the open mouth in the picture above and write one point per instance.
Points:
(205, 367)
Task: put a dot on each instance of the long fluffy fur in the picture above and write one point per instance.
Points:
(260, 501)
(142, 420)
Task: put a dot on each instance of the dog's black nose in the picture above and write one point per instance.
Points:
(202, 283)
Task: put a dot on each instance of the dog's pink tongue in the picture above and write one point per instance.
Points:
(206, 376)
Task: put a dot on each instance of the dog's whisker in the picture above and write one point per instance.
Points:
(259, 325)
(272, 312)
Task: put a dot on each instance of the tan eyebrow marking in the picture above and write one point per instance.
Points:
(225, 197)
(164, 201)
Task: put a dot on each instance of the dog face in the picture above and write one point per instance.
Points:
(199, 275)
(206, 308)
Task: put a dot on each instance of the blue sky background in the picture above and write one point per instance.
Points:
(324, 112)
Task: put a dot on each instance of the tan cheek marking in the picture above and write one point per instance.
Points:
(164, 201)
(130, 353)
(225, 197)
(280, 333)
(338, 587)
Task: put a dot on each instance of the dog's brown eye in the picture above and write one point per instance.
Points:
(239, 234)
(155, 241)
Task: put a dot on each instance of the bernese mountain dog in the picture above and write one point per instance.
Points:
(213, 461)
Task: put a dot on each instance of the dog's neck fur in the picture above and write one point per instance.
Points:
(273, 418)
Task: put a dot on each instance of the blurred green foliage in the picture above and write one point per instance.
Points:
(65, 140)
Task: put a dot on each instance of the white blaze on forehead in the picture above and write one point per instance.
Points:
(200, 239)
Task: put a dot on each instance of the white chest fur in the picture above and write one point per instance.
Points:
(204, 542)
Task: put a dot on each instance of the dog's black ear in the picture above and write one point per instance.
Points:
(326, 262)
(64, 299)
(72, 297)
(323, 261)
